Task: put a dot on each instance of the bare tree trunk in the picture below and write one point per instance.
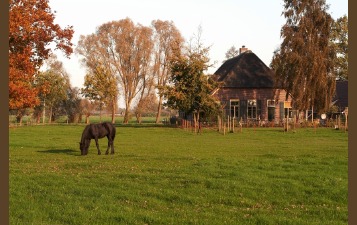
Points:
(196, 118)
(19, 118)
(113, 110)
(100, 112)
(198, 123)
(38, 118)
(158, 115)
(138, 118)
(219, 123)
(50, 117)
(126, 116)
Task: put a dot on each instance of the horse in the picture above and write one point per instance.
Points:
(97, 131)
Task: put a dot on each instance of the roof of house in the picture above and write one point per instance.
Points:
(245, 71)
(341, 96)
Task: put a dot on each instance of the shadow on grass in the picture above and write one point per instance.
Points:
(61, 151)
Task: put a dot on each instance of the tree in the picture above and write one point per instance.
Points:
(232, 52)
(167, 40)
(339, 40)
(146, 94)
(86, 107)
(304, 64)
(101, 85)
(52, 84)
(31, 30)
(191, 90)
(147, 105)
(124, 50)
(71, 105)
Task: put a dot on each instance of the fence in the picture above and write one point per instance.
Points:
(229, 124)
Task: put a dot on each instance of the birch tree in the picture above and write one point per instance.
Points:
(167, 39)
(339, 39)
(304, 64)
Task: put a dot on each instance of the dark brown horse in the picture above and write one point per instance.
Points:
(97, 131)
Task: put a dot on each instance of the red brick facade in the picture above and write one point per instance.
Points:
(269, 103)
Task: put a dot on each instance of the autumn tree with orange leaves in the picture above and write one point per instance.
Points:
(31, 31)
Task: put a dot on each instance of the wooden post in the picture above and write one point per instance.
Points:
(287, 120)
(195, 122)
(287, 124)
(339, 121)
(346, 124)
(229, 124)
(240, 124)
(44, 109)
(218, 124)
(346, 115)
(233, 125)
(315, 126)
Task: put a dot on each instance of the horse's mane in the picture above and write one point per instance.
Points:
(85, 131)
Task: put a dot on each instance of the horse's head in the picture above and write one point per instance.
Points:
(83, 147)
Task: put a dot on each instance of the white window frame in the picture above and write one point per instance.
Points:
(235, 107)
(252, 109)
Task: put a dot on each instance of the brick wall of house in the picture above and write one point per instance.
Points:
(224, 95)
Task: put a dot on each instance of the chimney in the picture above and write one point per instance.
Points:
(243, 49)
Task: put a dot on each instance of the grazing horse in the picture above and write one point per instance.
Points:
(96, 131)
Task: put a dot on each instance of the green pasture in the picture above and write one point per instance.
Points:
(164, 175)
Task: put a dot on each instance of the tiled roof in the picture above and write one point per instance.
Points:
(245, 71)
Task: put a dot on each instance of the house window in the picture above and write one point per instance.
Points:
(271, 103)
(234, 107)
(271, 110)
(285, 110)
(288, 112)
(252, 109)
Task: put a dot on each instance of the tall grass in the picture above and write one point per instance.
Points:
(163, 175)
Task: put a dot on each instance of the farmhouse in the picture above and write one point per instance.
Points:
(248, 90)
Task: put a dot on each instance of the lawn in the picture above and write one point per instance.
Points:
(163, 175)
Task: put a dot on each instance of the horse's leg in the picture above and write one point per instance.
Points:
(112, 144)
(96, 143)
(109, 140)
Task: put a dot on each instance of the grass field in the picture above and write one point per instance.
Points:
(162, 175)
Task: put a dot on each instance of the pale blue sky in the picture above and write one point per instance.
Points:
(255, 23)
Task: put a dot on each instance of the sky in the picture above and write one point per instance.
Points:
(225, 23)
